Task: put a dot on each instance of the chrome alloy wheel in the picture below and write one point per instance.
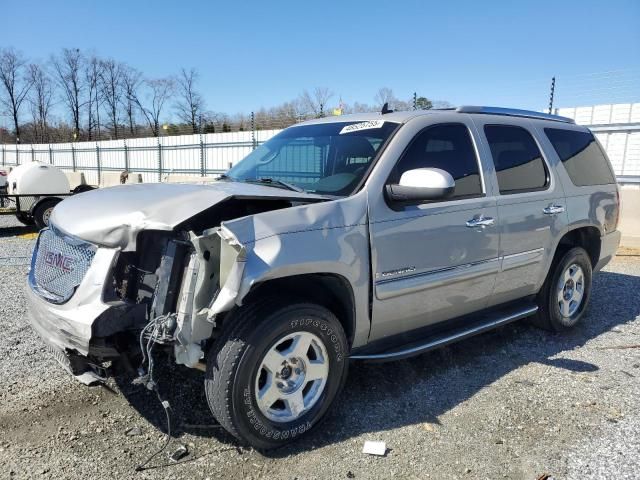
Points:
(570, 290)
(292, 376)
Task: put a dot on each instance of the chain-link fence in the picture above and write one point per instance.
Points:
(203, 154)
(153, 158)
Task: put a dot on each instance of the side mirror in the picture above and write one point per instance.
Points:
(422, 184)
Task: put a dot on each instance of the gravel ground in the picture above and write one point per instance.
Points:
(515, 403)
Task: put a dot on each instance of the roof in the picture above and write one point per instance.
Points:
(402, 117)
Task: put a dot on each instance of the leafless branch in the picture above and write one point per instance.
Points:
(16, 85)
(190, 105)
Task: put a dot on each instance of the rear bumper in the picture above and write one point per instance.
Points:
(609, 243)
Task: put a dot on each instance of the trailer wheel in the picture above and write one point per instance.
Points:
(25, 219)
(42, 213)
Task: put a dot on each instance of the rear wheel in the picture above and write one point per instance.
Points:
(564, 296)
(42, 213)
(275, 372)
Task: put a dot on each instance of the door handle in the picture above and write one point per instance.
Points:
(480, 221)
(553, 209)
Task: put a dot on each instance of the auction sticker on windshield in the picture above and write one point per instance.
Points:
(356, 127)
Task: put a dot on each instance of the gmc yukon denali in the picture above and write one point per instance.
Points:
(364, 237)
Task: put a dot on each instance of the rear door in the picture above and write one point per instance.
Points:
(531, 205)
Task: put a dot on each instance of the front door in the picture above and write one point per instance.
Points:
(437, 260)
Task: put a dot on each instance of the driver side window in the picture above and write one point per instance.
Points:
(448, 147)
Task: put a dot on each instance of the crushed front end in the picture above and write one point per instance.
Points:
(90, 303)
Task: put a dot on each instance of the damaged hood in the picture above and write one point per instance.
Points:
(114, 216)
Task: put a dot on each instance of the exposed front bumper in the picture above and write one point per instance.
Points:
(609, 243)
(68, 326)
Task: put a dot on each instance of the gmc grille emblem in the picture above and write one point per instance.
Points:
(59, 261)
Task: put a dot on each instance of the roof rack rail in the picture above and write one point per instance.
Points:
(513, 112)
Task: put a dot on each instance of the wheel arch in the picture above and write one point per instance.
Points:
(587, 237)
(331, 290)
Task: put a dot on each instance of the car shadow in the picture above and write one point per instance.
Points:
(420, 388)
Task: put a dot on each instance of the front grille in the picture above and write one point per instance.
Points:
(58, 265)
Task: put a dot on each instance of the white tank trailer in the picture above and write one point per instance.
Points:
(36, 188)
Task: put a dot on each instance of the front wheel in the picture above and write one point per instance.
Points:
(275, 371)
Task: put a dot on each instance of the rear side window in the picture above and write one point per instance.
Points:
(517, 158)
(581, 155)
(448, 147)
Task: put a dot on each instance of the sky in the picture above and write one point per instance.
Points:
(254, 54)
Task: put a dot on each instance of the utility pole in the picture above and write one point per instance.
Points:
(553, 87)
(415, 100)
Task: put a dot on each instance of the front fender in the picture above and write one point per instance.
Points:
(330, 238)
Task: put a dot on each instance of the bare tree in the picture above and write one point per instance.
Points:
(16, 85)
(358, 107)
(190, 105)
(40, 101)
(130, 80)
(92, 73)
(152, 100)
(384, 95)
(316, 103)
(68, 68)
(111, 88)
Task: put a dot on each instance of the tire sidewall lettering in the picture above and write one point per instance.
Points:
(270, 430)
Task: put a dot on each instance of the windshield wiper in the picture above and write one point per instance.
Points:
(226, 177)
(275, 183)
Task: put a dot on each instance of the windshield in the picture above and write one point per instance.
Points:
(326, 158)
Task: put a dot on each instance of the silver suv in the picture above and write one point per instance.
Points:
(363, 237)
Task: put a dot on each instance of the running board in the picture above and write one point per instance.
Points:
(446, 338)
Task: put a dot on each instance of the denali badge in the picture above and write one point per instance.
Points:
(58, 260)
(399, 271)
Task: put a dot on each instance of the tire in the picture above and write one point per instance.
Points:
(24, 219)
(238, 371)
(564, 296)
(42, 212)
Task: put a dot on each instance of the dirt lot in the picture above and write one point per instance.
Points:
(515, 403)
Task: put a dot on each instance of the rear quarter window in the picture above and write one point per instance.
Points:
(581, 156)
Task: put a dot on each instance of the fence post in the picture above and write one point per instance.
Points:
(73, 157)
(50, 155)
(253, 131)
(17, 155)
(33, 154)
(4, 159)
(126, 156)
(202, 160)
(98, 162)
(159, 160)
